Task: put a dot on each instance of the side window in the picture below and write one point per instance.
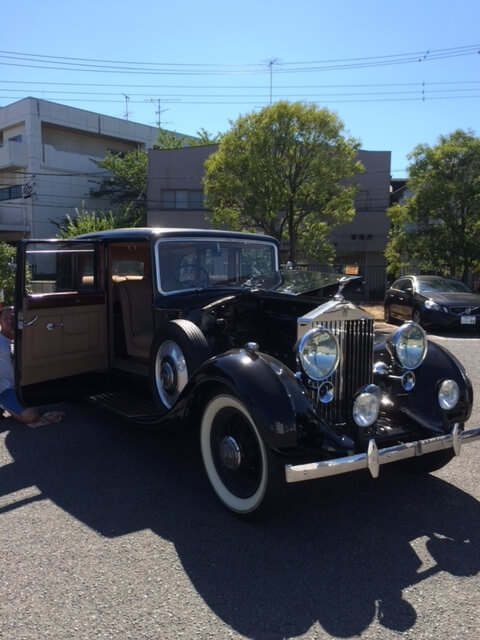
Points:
(60, 268)
(133, 268)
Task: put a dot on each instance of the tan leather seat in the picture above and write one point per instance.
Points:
(136, 303)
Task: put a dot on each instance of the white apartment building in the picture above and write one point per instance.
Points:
(46, 162)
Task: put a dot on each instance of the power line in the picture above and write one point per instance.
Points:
(116, 66)
(240, 87)
(420, 89)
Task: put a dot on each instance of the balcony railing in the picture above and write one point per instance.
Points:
(13, 155)
(13, 218)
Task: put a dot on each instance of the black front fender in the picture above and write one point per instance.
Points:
(276, 400)
(421, 403)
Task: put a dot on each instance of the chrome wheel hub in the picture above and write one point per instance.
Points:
(167, 376)
(230, 453)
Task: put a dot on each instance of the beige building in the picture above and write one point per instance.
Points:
(46, 168)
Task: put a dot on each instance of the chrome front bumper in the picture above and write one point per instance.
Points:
(375, 457)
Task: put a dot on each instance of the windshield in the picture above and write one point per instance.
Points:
(442, 285)
(204, 262)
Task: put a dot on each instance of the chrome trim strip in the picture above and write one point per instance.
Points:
(375, 457)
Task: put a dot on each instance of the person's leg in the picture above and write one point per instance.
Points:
(9, 401)
(27, 415)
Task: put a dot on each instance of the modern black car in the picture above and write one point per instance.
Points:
(433, 301)
(276, 382)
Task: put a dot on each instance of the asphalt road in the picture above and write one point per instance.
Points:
(110, 532)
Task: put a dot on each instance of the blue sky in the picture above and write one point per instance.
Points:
(396, 73)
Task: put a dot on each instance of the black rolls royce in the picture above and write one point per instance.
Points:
(277, 379)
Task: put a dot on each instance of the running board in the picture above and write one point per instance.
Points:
(130, 407)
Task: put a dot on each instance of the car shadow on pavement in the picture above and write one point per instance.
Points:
(340, 554)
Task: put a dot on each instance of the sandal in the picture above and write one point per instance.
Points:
(48, 418)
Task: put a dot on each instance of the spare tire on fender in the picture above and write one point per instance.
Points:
(178, 349)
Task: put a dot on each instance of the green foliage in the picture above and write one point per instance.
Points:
(127, 186)
(281, 171)
(171, 140)
(203, 137)
(7, 272)
(438, 228)
(84, 221)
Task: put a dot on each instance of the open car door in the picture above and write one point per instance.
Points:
(61, 344)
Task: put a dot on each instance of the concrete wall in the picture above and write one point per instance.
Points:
(176, 169)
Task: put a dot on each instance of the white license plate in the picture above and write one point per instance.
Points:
(468, 319)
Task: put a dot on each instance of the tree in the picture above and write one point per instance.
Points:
(169, 140)
(84, 221)
(282, 171)
(127, 182)
(7, 272)
(204, 137)
(439, 226)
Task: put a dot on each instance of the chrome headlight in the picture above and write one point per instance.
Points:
(366, 406)
(408, 345)
(318, 353)
(448, 394)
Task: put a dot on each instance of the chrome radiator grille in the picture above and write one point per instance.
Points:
(355, 369)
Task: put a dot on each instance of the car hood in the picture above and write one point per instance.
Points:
(295, 282)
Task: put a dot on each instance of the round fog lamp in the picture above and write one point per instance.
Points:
(366, 407)
(448, 394)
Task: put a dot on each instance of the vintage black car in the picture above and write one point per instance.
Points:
(277, 384)
(433, 301)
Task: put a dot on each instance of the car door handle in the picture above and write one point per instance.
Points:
(30, 322)
(53, 325)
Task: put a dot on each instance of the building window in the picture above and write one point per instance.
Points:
(182, 199)
(10, 193)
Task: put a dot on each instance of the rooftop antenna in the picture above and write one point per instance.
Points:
(271, 62)
(127, 98)
(159, 110)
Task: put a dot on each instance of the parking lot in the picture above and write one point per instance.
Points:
(111, 532)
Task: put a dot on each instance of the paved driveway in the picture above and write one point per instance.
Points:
(109, 532)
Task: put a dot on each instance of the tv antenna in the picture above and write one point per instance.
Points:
(271, 62)
(159, 110)
(127, 99)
